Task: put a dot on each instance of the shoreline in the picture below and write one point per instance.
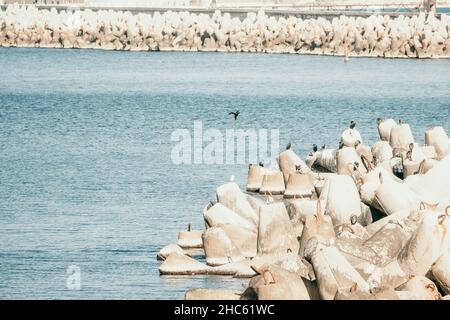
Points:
(353, 56)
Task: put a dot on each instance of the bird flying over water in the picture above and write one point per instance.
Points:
(235, 114)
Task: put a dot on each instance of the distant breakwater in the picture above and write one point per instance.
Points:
(419, 36)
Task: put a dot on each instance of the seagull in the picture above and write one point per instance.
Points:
(315, 147)
(352, 124)
(235, 114)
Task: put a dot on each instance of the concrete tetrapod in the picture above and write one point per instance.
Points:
(401, 136)
(180, 264)
(346, 159)
(382, 152)
(418, 288)
(341, 199)
(333, 272)
(317, 225)
(232, 197)
(350, 136)
(437, 137)
(275, 283)
(273, 183)
(190, 238)
(167, 250)
(326, 159)
(255, 177)
(371, 181)
(219, 249)
(432, 186)
(212, 294)
(385, 294)
(427, 244)
(219, 214)
(289, 163)
(275, 233)
(384, 128)
(441, 272)
(392, 196)
(430, 241)
(299, 186)
(428, 151)
(237, 269)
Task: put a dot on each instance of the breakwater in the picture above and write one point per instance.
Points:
(342, 225)
(359, 222)
(419, 36)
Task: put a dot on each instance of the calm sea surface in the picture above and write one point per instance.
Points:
(86, 176)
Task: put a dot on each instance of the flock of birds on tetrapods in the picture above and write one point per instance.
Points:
(352, 125)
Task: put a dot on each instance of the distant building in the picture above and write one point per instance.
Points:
(139, 3)
(43, 2)
(425, 5)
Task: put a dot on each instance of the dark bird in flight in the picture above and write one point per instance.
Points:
(261, 164)
(289, 145)
(352, 124)
(315, 148)
(235, 114)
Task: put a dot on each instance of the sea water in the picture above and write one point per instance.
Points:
(86, 175)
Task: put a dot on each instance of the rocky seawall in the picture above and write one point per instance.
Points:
(420, 36)
(361, 222)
